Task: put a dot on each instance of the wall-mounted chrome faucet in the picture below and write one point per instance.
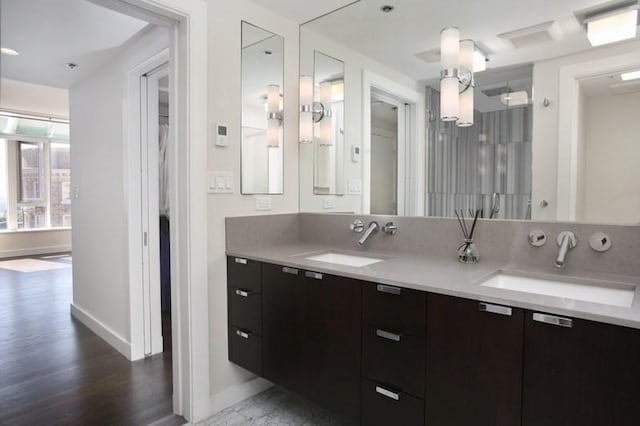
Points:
(371, 229)
(566, 241)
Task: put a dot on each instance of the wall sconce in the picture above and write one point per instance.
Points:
(274, 116)
(611, 24)
(315, 112)
(459, 60)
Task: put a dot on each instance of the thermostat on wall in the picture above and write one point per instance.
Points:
(355, 153)
(222, 135)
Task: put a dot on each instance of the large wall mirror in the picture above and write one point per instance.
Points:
(528, 116)
(262, 111)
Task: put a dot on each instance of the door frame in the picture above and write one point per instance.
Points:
(411, 186)
(187, 22)
(144, 288)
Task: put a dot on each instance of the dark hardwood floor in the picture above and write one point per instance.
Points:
(55, 371)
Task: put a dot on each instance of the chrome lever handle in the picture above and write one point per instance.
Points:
(388, 393)
(388, 335)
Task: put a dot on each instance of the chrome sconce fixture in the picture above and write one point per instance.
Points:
(274, 116)
(312, 112)
(459, 59)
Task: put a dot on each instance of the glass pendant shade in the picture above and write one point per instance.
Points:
(449, 102)
(449, 47)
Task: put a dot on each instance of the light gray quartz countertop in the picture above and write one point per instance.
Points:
(445, 275)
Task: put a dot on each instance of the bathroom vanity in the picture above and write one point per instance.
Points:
(415, 339)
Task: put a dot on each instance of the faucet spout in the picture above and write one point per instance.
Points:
(371, 229)
(566, 241)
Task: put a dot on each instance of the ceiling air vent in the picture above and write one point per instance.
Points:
(430, 56)
(536, 34)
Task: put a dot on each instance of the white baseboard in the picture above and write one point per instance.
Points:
(104, 332)
(32, 251)
(238, 393)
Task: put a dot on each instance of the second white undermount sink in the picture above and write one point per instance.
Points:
(615, 295)
(344, 259)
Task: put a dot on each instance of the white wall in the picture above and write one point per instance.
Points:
(546, 126)
(48, 101)
(97, 114)
(354, 65)
(224, 107)
(34, 98)
(612, 157)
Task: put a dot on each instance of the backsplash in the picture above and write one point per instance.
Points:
(501, 241)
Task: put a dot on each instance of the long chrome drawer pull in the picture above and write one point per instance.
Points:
(242, 334)
(388, 289)
(494, 309)
(553, 320)
(287, 270)
(242, 293)
(314, 275)
(241, 260)
(388, 393)
(387, 335)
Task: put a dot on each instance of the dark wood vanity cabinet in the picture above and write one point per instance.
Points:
(244, 296)
(393, 355)
(474, 363)
(312, 343)
(579, 373)
(378, 355)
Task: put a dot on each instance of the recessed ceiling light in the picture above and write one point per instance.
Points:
(268, 52)
(632, 75)
(71, 65)
(612, 25)
(8, 51)
(387, 8)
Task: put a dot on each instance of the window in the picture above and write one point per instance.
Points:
(35, 173)
(60, 185)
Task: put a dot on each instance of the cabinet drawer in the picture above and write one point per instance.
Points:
(396, 360)
(243, 273)
(245, 349)
(246, 310)
(384, 406)
(395, 309)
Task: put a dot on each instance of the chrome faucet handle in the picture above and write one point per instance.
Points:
(390, 228)
(357, 226)
(573, 241)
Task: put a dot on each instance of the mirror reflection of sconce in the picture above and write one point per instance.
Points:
(312, 112)
(460, 59)
(274, 116)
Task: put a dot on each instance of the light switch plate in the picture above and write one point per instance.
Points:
(220, 182)
(354, 186)
(329, 203)
(264, 203)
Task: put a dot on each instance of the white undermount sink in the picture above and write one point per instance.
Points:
(615, 295)
(344, 259)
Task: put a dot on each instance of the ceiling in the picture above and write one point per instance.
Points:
(607, 85)
(413, 27)
(301, 11)
(50, 33)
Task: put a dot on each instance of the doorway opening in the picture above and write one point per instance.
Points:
(387, 123)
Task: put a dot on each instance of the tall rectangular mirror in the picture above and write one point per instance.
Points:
(519, 115)
(262, 111)
(328, 140)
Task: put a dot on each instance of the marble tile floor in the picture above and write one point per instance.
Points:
(274, 407)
